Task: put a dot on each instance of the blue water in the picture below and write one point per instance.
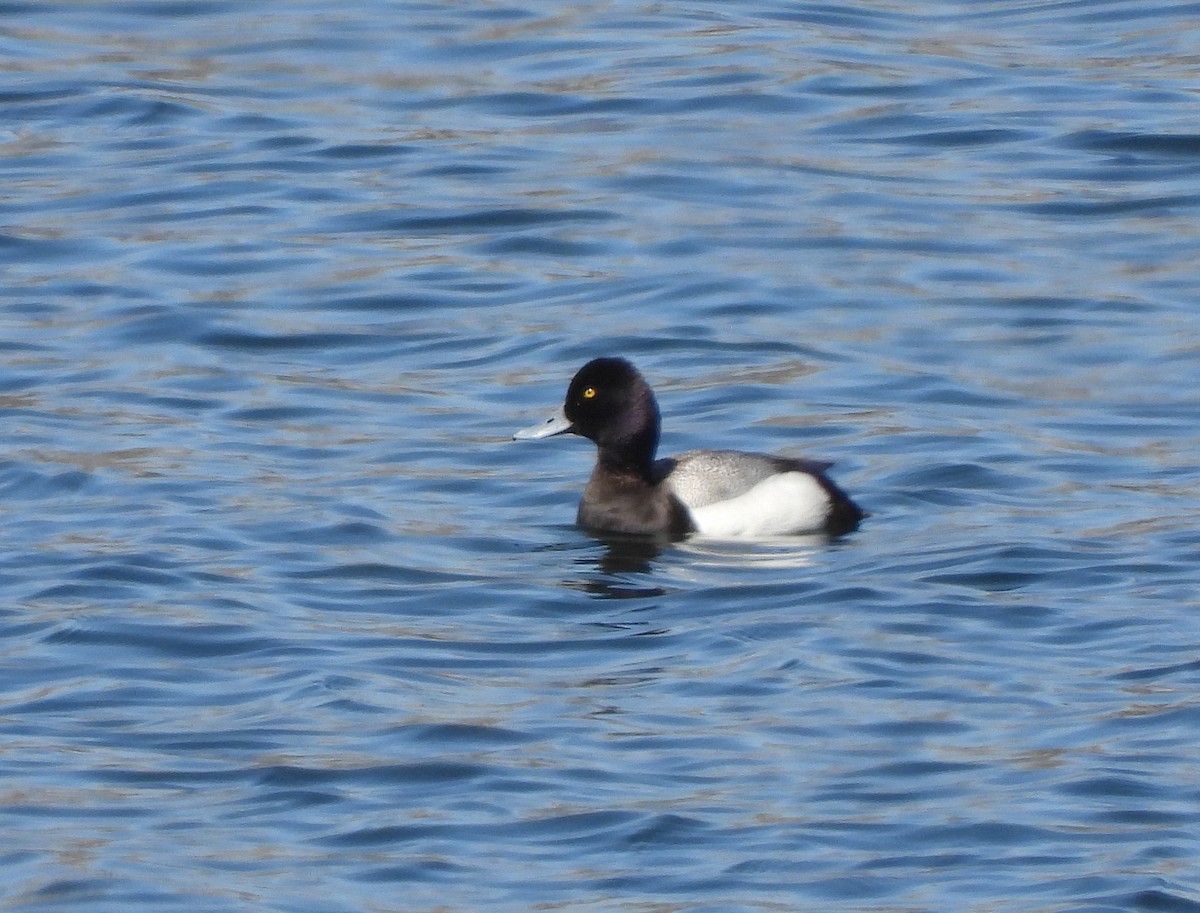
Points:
(290, 624)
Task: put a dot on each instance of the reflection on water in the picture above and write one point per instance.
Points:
(624, 556)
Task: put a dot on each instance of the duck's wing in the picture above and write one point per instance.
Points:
(731, 493)
(702, 477)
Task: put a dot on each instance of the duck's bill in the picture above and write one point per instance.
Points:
(556, 424)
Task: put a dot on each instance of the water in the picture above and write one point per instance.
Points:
(289, 624)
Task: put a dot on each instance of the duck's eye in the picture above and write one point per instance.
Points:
(589, 393)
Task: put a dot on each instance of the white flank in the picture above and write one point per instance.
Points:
(781, 505)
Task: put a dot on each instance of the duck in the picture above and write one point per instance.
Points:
(725, 494)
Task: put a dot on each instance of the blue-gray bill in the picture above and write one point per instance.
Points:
(556, 424)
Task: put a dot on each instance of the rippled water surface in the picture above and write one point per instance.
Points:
(290, 624)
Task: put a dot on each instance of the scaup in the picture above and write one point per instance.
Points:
(720, 493)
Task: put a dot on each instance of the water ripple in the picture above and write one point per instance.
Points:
(291, 624)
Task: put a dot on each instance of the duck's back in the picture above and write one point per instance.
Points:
(702, 477)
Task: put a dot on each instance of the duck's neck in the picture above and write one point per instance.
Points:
(628, 446)
(633, 456)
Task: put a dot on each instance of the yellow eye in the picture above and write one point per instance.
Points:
(589, 393)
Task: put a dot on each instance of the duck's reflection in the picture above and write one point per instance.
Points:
(621, 566)
(627, 567)
(635, 567)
